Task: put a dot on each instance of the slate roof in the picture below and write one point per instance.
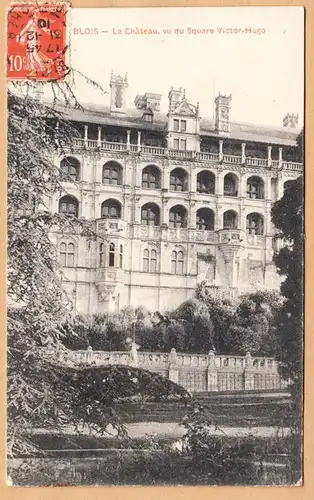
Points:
(132, 118)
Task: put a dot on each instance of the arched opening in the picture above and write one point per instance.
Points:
(178, 217)
(178, 180)
(111, 209)
(255, 188)
(255, 224)
(150, 214)
(205, 219)
(206, 182)
(68, 205)
(112, 173)
(231, 184)
(70, 167)
(151, 177)
(230, 220)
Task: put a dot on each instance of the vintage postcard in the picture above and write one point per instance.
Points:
(155, 200)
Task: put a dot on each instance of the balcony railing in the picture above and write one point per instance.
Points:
(185, 154)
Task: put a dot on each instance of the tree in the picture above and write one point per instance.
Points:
(287, 216)
(38, 307)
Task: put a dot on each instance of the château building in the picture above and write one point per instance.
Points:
(177, 199)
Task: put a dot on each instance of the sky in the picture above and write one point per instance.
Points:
(263, 72)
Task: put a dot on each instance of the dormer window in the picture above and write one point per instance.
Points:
(176, 125)
(148, 115)
(183, 125)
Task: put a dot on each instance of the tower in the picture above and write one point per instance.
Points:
(222, 113)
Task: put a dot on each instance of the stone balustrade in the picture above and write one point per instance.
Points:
(196, 372)
(185, 154)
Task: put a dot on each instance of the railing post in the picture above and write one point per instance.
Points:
(173, 373)
(212, 379)
(248, 373)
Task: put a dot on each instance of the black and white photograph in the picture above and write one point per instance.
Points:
(155, 249)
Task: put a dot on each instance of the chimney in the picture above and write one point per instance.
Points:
(174, 97)
(222, 113)
(118, 86)
(291, 120)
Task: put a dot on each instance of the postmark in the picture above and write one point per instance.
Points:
(36, 41)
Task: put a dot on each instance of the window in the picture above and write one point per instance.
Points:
(111, 255)
(183, 144)
(255, 188)
(150, 261)
(205, 182)
(66, 254)
(146, 261)
(178, 217)
(150, 214)
(230, 185)
(205, 219)
(121, 257)
(111, 209)
(70, 167)
(178, 180)
(230, 220)
(151, 177)
(102, 255)
(112, 174)
(177, 260)
(176, 124)
(183, 125)
(176, 144)
(68, 205)
(255, 224)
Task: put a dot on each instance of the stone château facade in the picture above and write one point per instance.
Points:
(177, 199)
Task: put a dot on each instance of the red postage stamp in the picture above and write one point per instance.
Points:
(36, 41)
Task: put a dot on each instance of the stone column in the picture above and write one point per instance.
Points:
(166, 179)
(243, 152)
(221, 156)
(193, 181)
(99, 137)
(128, 132)
(85, 134)
(242, 185)
(280, 157)
(220, 182)
(165, 212)
(268, 194)
(212, 380)
(173, 373)
(269, 156)
(192, 216)
(138, 140)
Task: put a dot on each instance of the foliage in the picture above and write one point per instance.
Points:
(206, 322)
(287, 216)
(39, 394)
